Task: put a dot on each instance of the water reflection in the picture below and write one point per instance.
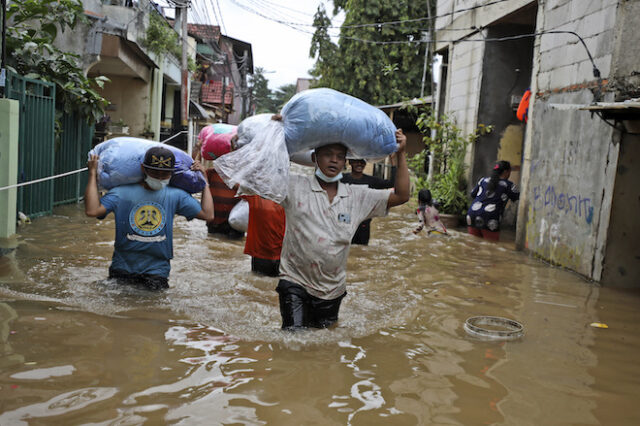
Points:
(77, 348)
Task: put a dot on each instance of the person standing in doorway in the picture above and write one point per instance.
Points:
(490, 196)
(357, 177)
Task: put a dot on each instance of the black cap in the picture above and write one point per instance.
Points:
(159, 158)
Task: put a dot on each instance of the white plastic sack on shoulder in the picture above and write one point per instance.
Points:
(250, 127)
(260, 167)
(239, 216)
(303, 158)
(317, 117)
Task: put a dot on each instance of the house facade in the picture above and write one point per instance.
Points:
(144, 87)
(575, 168)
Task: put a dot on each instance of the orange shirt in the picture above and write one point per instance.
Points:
(266, 228)
(224, 198)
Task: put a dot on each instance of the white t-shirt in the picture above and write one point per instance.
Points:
(318, 234)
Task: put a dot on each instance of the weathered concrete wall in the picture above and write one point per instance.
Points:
(622, 257)
(571, 157)
(463, 91)
(568, 176)
(130, 97)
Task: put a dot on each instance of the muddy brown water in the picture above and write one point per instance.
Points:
(78, 349)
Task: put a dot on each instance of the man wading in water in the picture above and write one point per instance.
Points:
(322, 215)
(144, 218)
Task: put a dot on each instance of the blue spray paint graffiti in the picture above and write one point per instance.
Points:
(570, 204)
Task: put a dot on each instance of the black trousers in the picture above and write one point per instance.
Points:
(146, 281)
(300, 310)
(362, 233)
(265, 266)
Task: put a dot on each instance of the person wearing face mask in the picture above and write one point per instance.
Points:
(322, 215)
(144, 218)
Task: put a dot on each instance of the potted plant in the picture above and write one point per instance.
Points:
(448, 145)
(119, 127)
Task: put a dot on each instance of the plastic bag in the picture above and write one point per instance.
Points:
(317, 117)
(250, 127)
(217, 144)
(260, 167)
(120, 159)
(239, 216)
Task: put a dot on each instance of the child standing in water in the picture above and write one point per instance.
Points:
(428, 215)
(490, 196)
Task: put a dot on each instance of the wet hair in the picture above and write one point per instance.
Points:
(424, 197)
(498, 169)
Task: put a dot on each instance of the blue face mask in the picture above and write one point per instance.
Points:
(326, 178)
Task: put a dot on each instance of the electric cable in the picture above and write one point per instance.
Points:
(374, 24)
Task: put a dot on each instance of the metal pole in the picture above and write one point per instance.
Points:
(185, 70)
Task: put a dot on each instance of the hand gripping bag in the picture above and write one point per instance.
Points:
(317, 117)
(239, 216)
(120, 159)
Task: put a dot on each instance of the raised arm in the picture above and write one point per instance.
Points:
(400, 194)
(206, 202)
(92, 206)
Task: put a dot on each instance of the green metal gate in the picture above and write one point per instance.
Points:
(35, 141)
(71, 154)
(40, 155)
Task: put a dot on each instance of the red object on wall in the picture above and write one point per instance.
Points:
(523, 107)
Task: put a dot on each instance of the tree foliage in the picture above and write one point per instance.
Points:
(282, 95)
(32, 27)
(265, 99)
(261, 95)
(376, 73)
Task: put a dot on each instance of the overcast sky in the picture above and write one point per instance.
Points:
(281, 50)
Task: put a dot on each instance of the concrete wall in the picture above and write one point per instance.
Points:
(463, 84)
(570, 155)
(130, 97)
(9, 125)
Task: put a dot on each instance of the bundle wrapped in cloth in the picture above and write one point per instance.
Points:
(215, 144)
(311, 119)
(120, 159)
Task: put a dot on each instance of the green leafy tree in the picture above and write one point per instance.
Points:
(376, 73)
(261, 95)
(282, 95)
(32, 27)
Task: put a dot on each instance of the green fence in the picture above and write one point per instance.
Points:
(40, 155)
(35, 141)
(71, 154)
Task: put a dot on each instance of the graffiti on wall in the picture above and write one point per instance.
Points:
(550, 199)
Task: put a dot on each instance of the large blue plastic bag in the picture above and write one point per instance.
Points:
(317, 117)
(120, 159)
(260, 167)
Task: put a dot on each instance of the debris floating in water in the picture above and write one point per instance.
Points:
(599, 325)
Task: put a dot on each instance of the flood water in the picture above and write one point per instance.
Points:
(78, 349)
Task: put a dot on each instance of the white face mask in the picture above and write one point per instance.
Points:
(326, 178)
(156, 184)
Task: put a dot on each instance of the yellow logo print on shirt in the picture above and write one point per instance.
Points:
(147, 219)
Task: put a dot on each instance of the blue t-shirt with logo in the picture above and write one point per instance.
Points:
(144, 226)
